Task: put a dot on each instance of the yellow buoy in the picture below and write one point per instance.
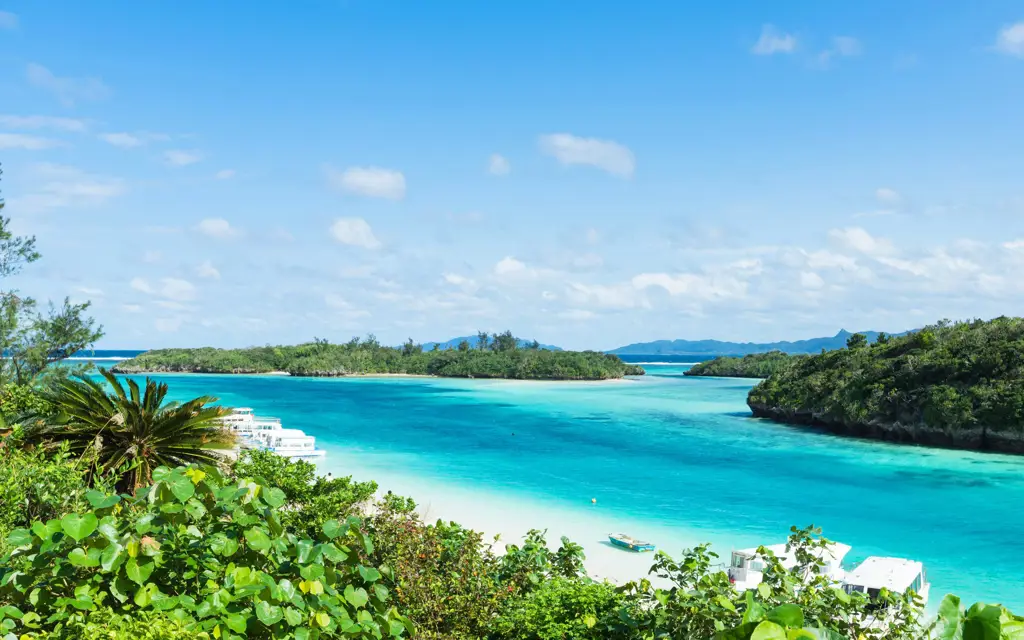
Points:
(593, 500)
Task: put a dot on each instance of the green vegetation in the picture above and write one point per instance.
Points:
(497, 357)
(951, 384)
(757, 365)
(129, 432)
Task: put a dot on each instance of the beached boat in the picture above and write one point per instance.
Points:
(747, 566)
(255, 432)
(627, 542)
(895, 574)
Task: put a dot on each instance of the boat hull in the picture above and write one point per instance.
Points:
(631, 546)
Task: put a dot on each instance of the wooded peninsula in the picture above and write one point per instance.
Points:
(497, 356)
(755, 365)
(958, 385)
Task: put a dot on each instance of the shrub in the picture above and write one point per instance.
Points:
(563, 608)
(105, 624)
(209, 554)
(37, 486)
(312, 499)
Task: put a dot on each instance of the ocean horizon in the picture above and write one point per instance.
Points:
(672, 459)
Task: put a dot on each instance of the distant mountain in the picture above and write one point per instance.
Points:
(720, 348)
(473, 342)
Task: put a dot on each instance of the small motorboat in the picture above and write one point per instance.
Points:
(627, 542)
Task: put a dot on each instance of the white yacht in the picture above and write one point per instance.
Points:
(895, 574)
(266, 433)
(290, 443)
(746, 570)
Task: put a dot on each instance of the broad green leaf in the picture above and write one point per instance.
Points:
(768, 630)
(257, 539)
(80, 558)
(950, 618)
(267, 613)
(287, 588)
(143, 524)
(764, 590)
(356, 597)
(119, 588)
(112, 557)
(181, 486)
(138, 570)
(369, 573)
(332, 529)
(20, 538)
(302, 633)
(100, 500)
(236, 622)
(78, 527)
(223, 545)
(788, 615)
(108, 530)
(381, 591)
(322, 618)
(982, 622)
(292, 616)
(272, 496)
(312, 571)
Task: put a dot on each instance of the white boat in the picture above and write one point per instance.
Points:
(895, 574)
(746, 569)
(267, 434)
(290, 443)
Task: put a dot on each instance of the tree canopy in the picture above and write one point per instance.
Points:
(755, 365)
(500, 357)
(950, 384)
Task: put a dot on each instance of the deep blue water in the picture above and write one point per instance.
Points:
(678, 454)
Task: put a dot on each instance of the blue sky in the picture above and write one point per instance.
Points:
(586, 173)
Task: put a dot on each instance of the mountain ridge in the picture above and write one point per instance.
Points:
(720, 347)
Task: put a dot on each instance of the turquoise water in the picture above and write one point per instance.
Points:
(670, 453)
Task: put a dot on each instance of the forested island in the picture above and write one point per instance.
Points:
(755, 365)
(957, 385)
(497, 356)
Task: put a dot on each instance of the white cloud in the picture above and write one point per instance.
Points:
(207, 270)
(53, 186)
(858, 239)
(811, 280)
(498, 165)
(1014, 245)
(8, 20)
(217, 228)
(576, 314)
(887, 196)
(26, 143)
(1011, 40)
(604, 296)
(177, 289)
(509, 265)
(122, 140)
(174, 289)
(372, 182)
(225, 174)
(131, 308)
(140, 284)
(43, 122)
(608, 155)
(458, 281)
(773, 41)
(823, 259)
(182, 157)
(67, 90)
(697, 286)
(842, 46)
(355, 232)
(90, 291)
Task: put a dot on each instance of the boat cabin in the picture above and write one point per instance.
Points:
(746, 568)
(895, 574)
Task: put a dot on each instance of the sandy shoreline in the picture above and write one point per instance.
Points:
(382, 376)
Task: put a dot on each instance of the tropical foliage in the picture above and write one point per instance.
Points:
(757, 365)
(208, 553)
(951, 384)
(129, 432)
(312, 499)
(500, 357)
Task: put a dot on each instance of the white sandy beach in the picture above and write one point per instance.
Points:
(511, 518)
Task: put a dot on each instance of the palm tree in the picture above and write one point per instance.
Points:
(128, 433)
